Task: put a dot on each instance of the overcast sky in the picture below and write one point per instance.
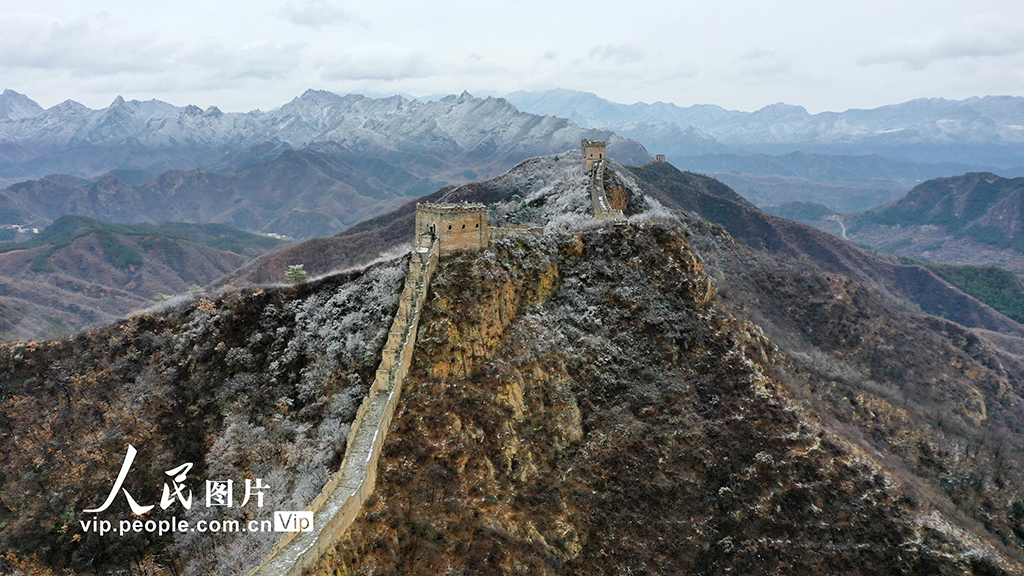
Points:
(741, 54)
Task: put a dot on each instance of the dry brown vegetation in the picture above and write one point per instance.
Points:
(258, 384)
(82, 273)
(659, 398)
(580, 407)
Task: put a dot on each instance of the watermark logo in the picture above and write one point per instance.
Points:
(293, 521)
(219, 494)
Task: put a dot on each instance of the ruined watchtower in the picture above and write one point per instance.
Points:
(461, 226)
(593, 151)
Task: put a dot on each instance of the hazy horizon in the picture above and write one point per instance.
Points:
(738, 54)
(433, 97)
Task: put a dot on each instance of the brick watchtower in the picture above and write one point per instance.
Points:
(458, 227)
(593, 151)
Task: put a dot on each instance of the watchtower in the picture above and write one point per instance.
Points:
(659, 157)
(458, 227)
(593, 151)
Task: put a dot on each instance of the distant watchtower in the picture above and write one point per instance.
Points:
(593, 151)
(659, 157)
(458, 227)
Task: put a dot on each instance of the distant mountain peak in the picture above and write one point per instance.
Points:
(17, 106)
(312, 95)
(783, 108)
(460, 98)
(117, 101)
(70, 104)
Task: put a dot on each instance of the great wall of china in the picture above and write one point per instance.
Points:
(440, 229)
(595, 157)
(343, 496)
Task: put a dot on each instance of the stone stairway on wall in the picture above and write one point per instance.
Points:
(343, 496)
(598, 199)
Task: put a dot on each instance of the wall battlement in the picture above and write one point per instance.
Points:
(513, 229)
(595, 157)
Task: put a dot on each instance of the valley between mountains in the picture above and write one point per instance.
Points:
(700, 389)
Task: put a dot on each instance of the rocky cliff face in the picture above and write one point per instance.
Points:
(583, 404)
(670, 394)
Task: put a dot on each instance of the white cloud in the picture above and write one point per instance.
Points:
(764, 63)
(618, 53)
(93, 48)
(265, 60)
(980, 37)
(476, 65)
(84, 47)
(386, 63)
(758, 54)
(315, 14)
(241, 54)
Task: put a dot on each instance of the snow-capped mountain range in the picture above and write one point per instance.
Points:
(987, 131)
(454, 132)
(490, 134)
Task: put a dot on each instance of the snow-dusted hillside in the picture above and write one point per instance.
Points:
(458, 131)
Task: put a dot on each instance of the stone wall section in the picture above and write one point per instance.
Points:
(343, 496)
(440, 229)
(598, 199)
(502, 233)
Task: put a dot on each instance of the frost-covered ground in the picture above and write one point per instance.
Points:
(255, 384)
(553, 192)
(547, 191)
(327, 338)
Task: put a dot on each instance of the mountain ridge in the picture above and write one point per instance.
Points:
(700, 387)
(314, 191)
(682, 192)
(80, 272)
(156, 136)
(982, 131)
(973, 219)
